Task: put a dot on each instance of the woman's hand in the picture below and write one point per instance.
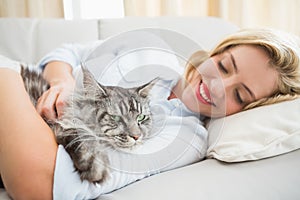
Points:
(59, 76)
(50, 104)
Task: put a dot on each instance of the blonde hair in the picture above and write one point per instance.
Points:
(283, 50)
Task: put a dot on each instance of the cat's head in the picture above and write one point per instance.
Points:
(122, 115)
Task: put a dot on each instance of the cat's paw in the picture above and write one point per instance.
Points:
(93, 169)
(92, 166)
(95, 174)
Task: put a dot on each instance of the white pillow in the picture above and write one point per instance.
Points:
(257, 133)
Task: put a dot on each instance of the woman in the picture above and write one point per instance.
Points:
(247, 69)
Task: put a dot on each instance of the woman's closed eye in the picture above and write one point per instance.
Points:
(222, 67)
(238, 97)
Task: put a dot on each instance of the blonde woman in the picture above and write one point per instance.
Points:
(247, 69)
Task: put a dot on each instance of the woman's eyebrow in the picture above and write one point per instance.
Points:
(236, 71)
(233, 62)
(249, 91)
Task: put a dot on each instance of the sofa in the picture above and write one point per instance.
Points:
(274, 177)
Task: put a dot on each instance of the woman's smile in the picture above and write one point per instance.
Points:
(203, 94)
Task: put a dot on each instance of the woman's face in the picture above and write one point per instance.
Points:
(227, 82)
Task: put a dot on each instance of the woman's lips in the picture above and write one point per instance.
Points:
(202, 94)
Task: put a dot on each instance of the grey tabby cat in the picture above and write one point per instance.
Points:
(95, 119)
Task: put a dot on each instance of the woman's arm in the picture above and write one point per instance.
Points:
(70, 53)
(59, 75)
(27, 145)
(57, 70)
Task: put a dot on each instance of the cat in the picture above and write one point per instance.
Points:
(96, 118)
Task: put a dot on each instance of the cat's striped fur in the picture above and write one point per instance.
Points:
(97, 118)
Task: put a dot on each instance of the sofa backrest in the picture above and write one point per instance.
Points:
(28, 40)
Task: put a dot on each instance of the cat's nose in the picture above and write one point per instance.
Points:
(135, 137)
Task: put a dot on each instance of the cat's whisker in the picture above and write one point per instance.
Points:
(87, 138)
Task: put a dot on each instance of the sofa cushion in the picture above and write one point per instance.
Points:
(272, 178)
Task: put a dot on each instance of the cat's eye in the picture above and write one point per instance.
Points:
(140, 118)
(116, 118)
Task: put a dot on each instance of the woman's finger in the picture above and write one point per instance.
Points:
(66, 89)
(46, 105)
(60, 103)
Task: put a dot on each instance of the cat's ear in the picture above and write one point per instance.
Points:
(144, 90)
(90, 83)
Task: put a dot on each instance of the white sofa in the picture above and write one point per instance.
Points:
(274, 178)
